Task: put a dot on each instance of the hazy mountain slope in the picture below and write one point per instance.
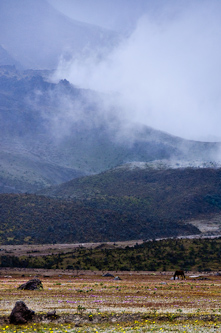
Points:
(36, 35)
(22, 173)
(7, 59)
(58, 127)
(25, 164)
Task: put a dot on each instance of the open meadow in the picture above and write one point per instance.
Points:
(86, 301)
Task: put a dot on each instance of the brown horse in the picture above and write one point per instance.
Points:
(179, 273)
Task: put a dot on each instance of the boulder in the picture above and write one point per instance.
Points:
(31, 285)
(108, 275)
(117, 278)
(20, 314)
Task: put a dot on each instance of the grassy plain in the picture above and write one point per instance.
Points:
(89, 302)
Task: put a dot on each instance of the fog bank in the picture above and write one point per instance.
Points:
(166, 74)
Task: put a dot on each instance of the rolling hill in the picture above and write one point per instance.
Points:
(150, 191)
(128, 202)
(35, 219)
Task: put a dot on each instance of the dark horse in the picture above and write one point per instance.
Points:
(179, 273)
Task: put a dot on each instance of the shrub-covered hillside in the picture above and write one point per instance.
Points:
(175, 195)
(164, 255)
(121, 204)
(39, 220)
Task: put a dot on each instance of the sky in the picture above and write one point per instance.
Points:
(165, 72)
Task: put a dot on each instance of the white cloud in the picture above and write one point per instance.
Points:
(166, 74)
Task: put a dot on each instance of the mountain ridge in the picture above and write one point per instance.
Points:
(29, 26)
(61, 125)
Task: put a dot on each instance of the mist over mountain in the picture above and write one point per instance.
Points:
(53, 132)
(160, 66)
(120, 16)
(37, 35)
(165, 72)
(7, 59)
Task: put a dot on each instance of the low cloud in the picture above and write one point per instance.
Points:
(166, 74)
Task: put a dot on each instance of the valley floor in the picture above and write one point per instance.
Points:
(90, 302)
(47, 249)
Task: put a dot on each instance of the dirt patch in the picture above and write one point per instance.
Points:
(208, 227)
(45, 249)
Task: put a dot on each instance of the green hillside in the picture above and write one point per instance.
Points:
(164, 255)
(121, 204)
(35, 219)
(168, 194)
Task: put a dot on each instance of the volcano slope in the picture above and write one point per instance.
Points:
(54, 132)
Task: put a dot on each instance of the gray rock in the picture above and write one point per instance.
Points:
(108, 275)
(117, 278)
(20, 314)
(31, 285)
